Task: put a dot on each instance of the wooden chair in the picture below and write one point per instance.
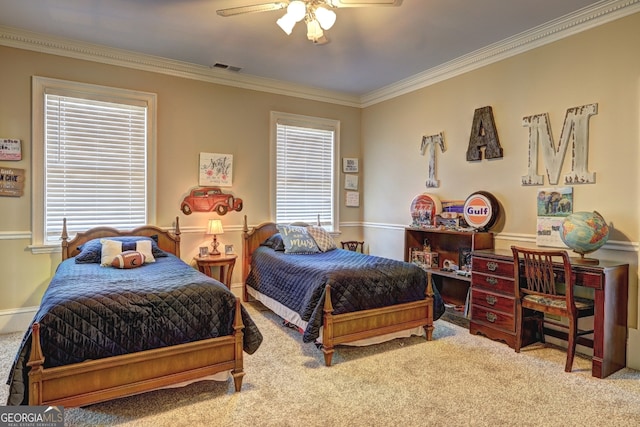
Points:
(353, 245)
(539, 290)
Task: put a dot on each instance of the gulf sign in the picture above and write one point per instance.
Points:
(481, 210)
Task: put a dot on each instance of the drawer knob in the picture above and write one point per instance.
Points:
(492, 266)
(491, 317)
(491, 300)
(492, 280)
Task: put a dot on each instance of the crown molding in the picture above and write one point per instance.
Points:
(581, 20)
(28, 40)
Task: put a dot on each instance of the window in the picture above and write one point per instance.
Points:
(93, 158)
(304, 152)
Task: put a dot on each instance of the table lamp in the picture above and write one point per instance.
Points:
(215, 227)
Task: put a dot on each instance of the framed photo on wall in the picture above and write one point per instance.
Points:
(349, 165)
(350, 182)
(215, 169)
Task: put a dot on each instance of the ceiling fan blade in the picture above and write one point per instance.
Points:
(263, 7)
(365, 3)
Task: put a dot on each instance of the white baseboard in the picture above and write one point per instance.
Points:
(16, 320)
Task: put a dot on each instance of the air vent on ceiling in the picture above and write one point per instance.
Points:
(226, 67)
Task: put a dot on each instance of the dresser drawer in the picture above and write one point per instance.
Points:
(493, 283)
(491, 317)
(492, 266)
(492, 300)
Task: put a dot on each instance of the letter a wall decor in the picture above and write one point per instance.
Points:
(483, 134)
(428, 147)
(575, 132)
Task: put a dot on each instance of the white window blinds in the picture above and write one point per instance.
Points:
(304, 174)
(95, 164)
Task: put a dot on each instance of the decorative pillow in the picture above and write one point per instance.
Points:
(110, 248)
(90, 252)
(128, 259)
(297, 240)
(274, 242)
(144, 247)
(322, 238)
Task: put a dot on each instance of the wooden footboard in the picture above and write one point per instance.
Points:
(348, 327)
(99, 380)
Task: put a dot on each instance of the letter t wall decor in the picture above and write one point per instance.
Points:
(428, 146)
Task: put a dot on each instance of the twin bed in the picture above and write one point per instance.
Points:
(103, 332)
(338, 296)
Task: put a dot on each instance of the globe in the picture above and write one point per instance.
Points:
(584, 232)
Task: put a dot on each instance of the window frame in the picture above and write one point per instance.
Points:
(310, 122)
(44, 85)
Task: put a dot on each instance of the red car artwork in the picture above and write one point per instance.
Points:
(208, 199)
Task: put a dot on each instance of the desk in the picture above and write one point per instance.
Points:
(608, 279)
(224, 262)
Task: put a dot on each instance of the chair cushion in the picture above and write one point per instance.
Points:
(581, 303)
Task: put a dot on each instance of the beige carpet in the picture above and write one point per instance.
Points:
(457, 379)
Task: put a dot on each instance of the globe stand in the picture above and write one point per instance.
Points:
(582, 260)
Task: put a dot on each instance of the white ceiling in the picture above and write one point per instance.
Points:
(369, 48)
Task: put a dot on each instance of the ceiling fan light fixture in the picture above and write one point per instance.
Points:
(286, 23)
(325, 17)
(314, 32)
(297, 10)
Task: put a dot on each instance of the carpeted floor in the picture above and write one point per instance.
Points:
(456, 379)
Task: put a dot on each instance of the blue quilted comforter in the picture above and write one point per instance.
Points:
(358, 282)
(92, 312)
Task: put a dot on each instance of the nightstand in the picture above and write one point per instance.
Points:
(224, 262)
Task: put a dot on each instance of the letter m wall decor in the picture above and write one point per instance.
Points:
(575, 132)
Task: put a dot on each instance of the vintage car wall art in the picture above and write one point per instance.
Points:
(210, 199)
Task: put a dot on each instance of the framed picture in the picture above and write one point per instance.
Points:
(352, 199)
(204, 251)
(349, 165)
(215, 169)
(350, 182)
(228, 249)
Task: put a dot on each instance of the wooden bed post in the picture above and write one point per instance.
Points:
(327, 330)
(64, 237)
(238, 326)
(245, 256)
(36, 360)
(176, 233)
(428, 328)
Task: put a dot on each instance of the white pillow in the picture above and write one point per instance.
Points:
(144, 247)
(110, 249)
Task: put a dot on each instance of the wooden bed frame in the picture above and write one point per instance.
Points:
(99, 380)
(348, 327)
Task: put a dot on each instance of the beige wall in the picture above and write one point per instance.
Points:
(597, 66)
(193, 117)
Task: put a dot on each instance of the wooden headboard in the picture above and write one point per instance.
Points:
(167, 241)
(252, 240)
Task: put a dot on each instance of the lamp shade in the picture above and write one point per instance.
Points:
(215, 227)
(286, 23)
(325, 17)
(314, 32)
(297, 10)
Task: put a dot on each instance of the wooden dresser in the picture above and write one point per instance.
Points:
(493, 306)
(492, 297)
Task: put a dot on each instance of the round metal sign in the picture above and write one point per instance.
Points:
(481, 210)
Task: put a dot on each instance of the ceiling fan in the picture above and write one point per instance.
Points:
(317, 14)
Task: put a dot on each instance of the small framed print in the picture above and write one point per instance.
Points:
(352, 199)
(228, 249)
(204, 251)
(350, 182)
(349, 165)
